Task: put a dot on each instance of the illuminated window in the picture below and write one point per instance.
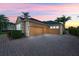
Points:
(18, 26)
(57, 27)
(51, 27)
(54, 27)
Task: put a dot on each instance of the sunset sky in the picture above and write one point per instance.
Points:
(42, 11)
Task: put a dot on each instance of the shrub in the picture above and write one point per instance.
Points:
(74, 31)
(2, 32)
(64, 32)
(15, 34)
(77, 32)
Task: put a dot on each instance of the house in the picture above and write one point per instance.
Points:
(11, 26)
(55, 26)
(33, 27)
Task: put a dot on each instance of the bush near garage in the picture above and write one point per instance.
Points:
(15, 34)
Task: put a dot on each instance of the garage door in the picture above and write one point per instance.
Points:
(36, 31)
(53, 31)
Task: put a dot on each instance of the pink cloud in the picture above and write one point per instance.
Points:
(45, 17)
(12, 18)
(43, 8)
(13, 5)
(53, 10)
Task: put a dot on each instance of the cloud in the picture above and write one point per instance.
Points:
(12, 18)
(45, 17)
(46, 11)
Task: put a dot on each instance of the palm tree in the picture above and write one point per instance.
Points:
(63, 20)
(3, 22)
(26, 16)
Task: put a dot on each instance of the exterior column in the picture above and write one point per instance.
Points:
(27, 29)
(61, 29)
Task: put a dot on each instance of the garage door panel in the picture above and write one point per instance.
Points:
(36, 31)
(53, 31)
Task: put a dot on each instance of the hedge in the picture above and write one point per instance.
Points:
(74, 31)
(15, 34)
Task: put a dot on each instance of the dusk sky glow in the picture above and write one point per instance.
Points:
(42, 11)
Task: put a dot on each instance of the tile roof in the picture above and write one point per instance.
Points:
(49, 23)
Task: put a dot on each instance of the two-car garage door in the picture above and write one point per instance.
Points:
(36, 31)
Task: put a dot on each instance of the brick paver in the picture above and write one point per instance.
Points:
(52, 45)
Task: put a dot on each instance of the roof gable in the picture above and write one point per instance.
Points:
(19, 20)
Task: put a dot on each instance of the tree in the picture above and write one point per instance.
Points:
(26, 15)
(3, 22)
(77, 27)
(63, 20)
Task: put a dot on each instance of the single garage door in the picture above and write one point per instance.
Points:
(53, 31)
(36, 31)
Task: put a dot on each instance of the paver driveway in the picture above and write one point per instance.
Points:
(50, 45)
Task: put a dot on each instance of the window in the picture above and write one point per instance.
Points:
(54, 27)
(51, 27)
(18, 26)
(57, 27)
